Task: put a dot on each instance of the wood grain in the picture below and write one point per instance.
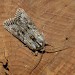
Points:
(56, 19)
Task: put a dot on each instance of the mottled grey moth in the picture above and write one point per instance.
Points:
(22, 27)
(25, 30)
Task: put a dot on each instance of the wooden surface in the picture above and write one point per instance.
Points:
(56, 19)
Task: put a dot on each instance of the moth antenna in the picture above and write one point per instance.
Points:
(58, 50)
(37, 63)
(46, 44)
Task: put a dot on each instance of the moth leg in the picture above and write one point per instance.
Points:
(36, 53)
(42, 50)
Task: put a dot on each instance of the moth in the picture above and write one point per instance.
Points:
(22, 27)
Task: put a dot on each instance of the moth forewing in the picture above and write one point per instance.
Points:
(25, 30)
